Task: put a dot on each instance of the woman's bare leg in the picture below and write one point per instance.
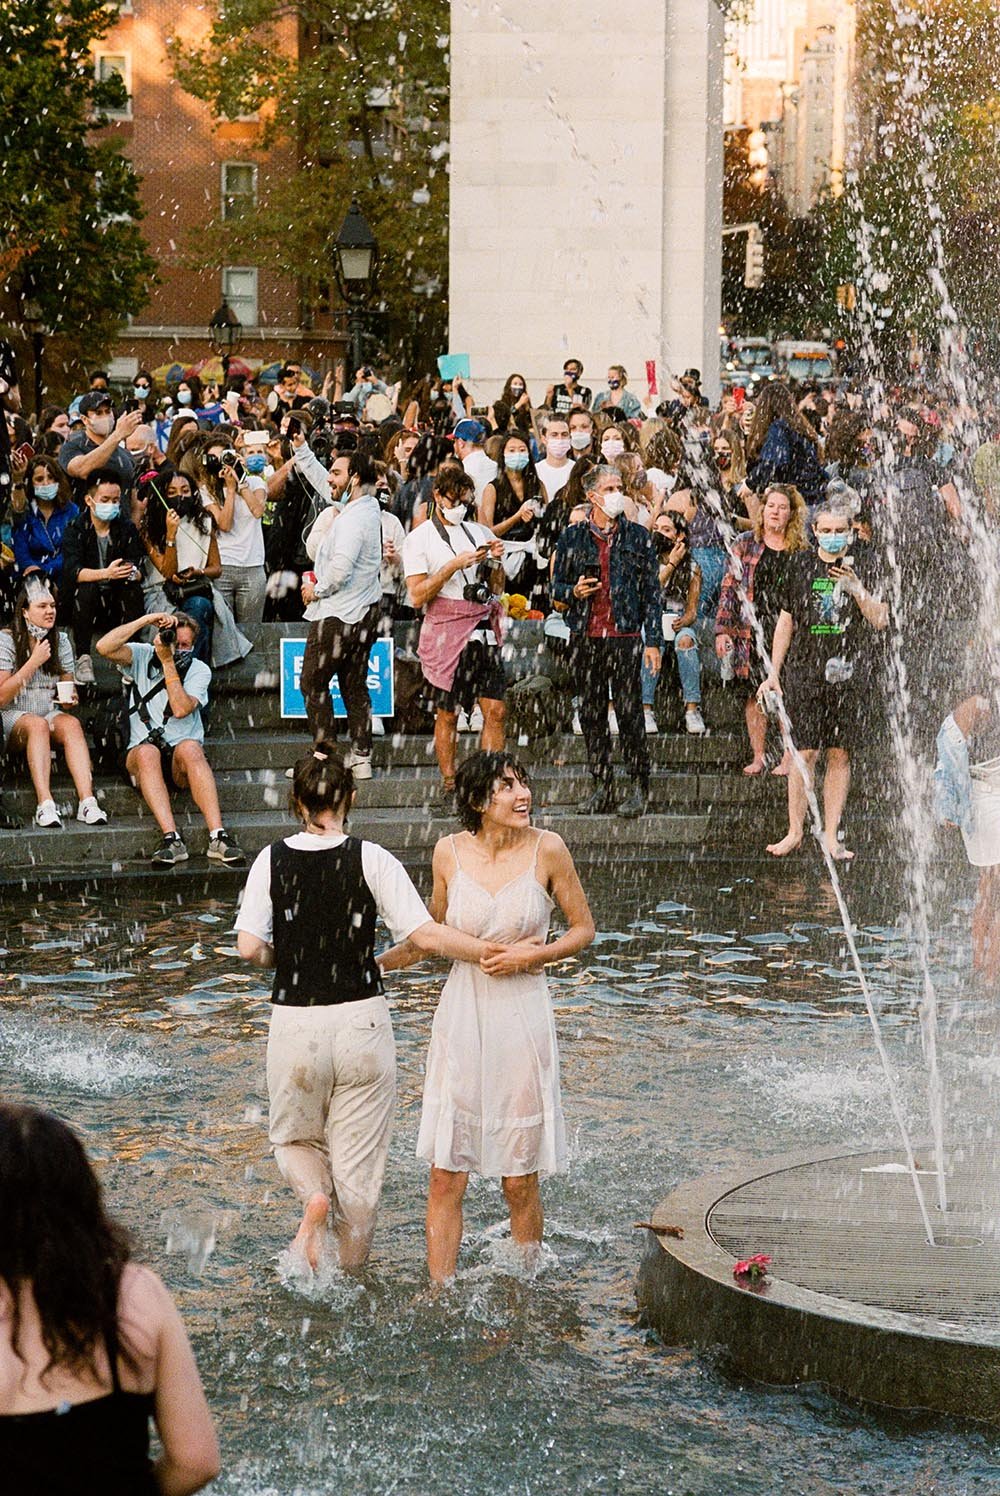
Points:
(444, 1222)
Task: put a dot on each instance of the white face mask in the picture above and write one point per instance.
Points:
(579, 440)
(454, 516)
(613, 504)
(613, 448)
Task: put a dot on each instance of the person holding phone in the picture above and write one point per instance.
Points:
(824, 633)
(454, 572)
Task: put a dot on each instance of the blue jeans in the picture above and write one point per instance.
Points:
(711, 560)
(202, 610)
(688, 668)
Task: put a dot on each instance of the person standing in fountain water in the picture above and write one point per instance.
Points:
(968, 796)
(826, 623)
(491, 1092)
(309, 911)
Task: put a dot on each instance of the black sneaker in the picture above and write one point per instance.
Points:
(170, 850)
(223, 848)
(601, 802)
(635, 806)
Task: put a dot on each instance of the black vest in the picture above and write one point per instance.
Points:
(324, 927)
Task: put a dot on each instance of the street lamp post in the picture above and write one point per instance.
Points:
(224, 332)
(355, 259)
(34, 323)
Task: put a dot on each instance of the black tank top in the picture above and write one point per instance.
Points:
(324, 927)
(79, 1449)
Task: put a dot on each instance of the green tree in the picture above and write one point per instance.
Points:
(362, 102)
(69, 200)
(920, 222)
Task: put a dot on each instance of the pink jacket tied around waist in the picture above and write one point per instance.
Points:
(448, 624)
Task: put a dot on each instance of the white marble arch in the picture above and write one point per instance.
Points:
(586, 188)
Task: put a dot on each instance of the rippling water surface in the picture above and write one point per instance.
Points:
(712, 1023)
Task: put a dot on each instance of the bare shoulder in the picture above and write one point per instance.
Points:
(143, 1295)
(553, 852)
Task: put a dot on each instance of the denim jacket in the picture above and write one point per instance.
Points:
(952, 778)
(635, 590)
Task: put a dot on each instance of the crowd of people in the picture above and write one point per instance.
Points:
(661, 547)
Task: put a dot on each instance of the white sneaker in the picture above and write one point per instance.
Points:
(360, 764)
(290, 773)
(476, 719)
(577, 729)
(613, 724)
(84, 672)
(378, 727)
(47, 815)
(651, 726)
(91, 813)
(463, 724)
(694, 721)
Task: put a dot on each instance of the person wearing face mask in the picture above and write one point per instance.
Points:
(605, 577)
(166, 735)
(39, 530)
(103, 560)
(517, 401)
(143, 397)
(469, 451)
(615, 438)
(581, 434)
(100, 445)
(826, 621)
(555, 468)
(617, 396)
(511, 507)
(454, 572)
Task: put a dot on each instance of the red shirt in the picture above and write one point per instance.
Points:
(601, 620)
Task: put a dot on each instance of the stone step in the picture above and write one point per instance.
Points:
(30, 855)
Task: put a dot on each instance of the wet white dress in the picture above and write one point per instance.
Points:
(491, 1088)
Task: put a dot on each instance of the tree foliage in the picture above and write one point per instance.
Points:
(920, 223)
(360, 102)
(69, 200)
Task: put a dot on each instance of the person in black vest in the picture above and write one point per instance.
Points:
(309, 910)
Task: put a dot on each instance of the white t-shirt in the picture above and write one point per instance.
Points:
(480, 468)
(425, 552)
(553, 478)
(397, 901)
(243, 545)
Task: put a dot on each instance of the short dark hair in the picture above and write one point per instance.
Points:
(453, 483)
(475, 780)
(321, 781)
(103, 475)
(362, 466)
(98, 374)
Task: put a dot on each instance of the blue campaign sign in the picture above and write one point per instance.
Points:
(380, 680)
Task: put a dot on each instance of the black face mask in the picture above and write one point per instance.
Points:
(188, 505)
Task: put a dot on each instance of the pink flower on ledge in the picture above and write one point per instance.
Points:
(755, 1268)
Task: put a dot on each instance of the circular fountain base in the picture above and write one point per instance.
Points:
(856, 1300)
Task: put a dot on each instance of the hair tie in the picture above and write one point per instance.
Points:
(321, 756)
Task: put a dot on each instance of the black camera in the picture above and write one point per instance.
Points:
(320, 444)
(167, 635)
(481, 590)
(216, 461)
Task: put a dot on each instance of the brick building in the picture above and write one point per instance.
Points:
(195, 170)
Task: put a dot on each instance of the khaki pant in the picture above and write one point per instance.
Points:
(331, 1080)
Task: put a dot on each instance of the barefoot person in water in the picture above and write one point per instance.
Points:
(309, 910)
(491, 1092)
(825, 631)
(967, 795)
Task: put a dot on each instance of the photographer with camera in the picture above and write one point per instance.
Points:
(235, 498)
(605, 577)
(168, 688)
(454, 571)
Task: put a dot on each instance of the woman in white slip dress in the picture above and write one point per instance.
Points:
(491, 1090)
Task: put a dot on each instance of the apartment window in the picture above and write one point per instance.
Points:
(116, 65)
(239, 288)
(239, 189)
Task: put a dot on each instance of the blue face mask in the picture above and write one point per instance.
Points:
(183, 397)
(106, 512)
(255, 462)
(516, 461)
(833, 545)
(140, 392)
(46, 492)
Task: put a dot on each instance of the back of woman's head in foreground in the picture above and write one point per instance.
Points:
(322, 782)
(56, 1238)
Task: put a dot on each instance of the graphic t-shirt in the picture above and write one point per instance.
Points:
(832, 642)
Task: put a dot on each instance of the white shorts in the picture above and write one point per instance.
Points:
(982, 843)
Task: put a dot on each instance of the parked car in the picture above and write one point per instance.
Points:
(799, 361)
